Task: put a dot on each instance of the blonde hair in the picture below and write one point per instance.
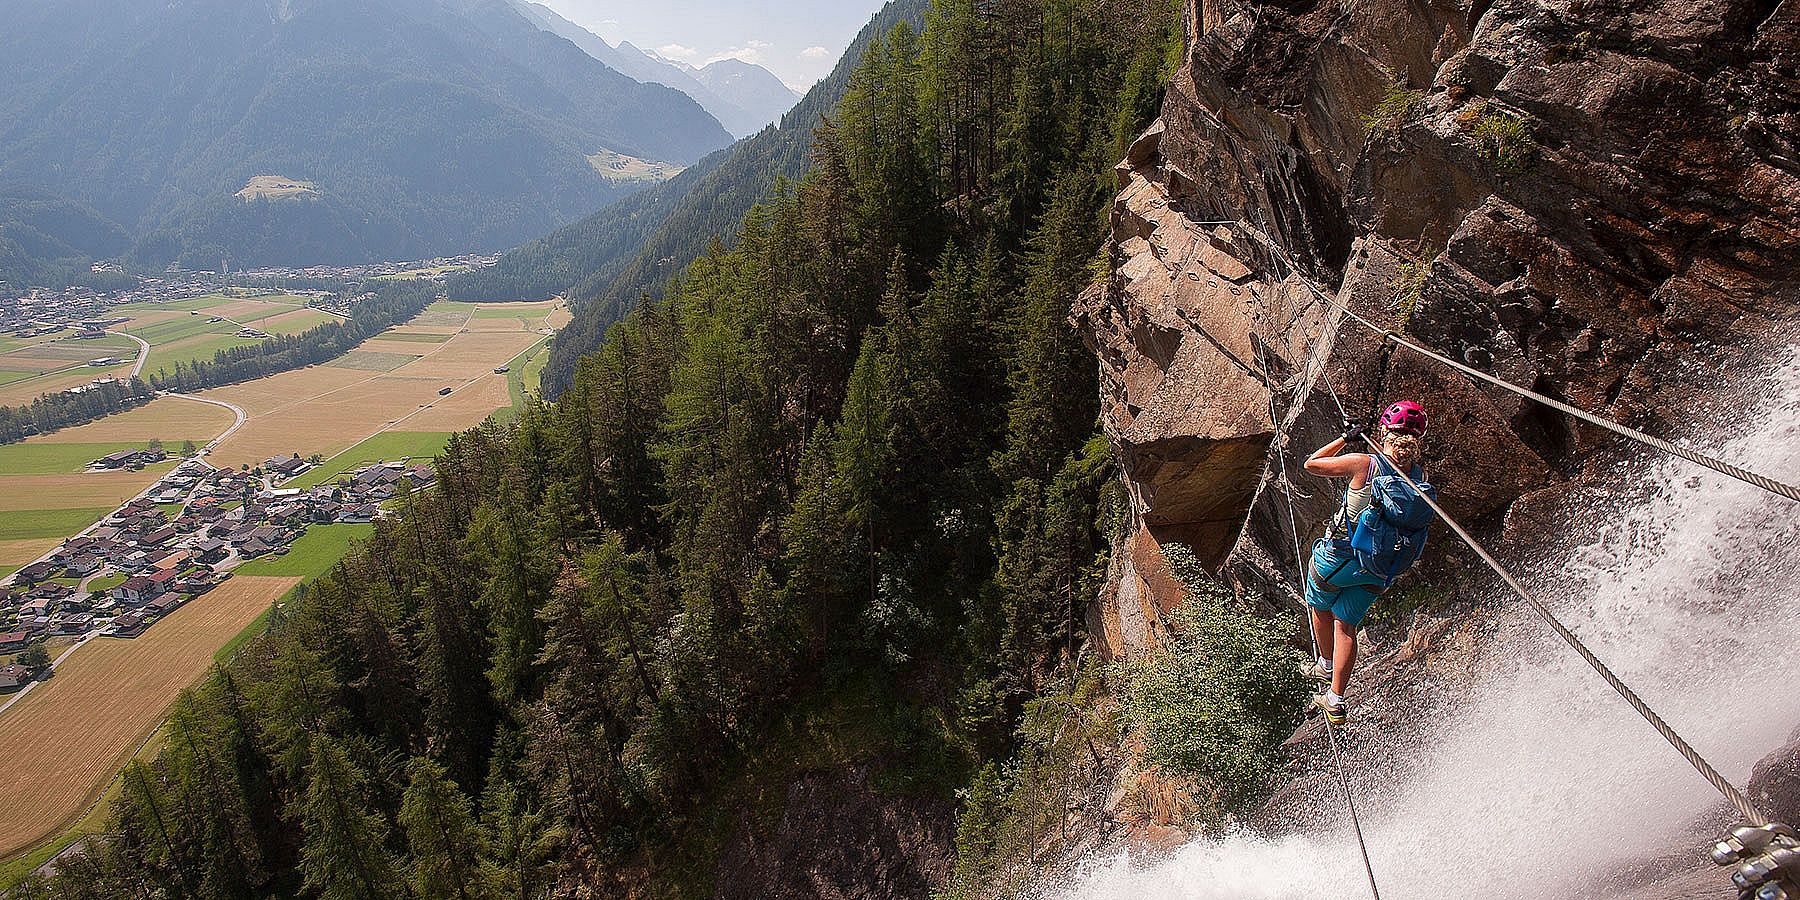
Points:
(1404, 449)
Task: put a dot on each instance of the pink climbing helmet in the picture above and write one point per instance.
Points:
(1405, 417)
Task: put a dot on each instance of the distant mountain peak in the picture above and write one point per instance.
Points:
(739, 95)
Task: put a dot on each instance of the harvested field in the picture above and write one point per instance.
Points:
(490, 325)
(381, 345)
(324, 422)
(372, 361)
(19, 552)
(469, 355)
(33, 365)
(265, 395)
(509, 310)
(418, 337)
(87, 490)
(169, 419)
(439, 320)
(69, 735)
(463, 409)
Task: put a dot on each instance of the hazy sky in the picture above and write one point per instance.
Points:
(798, 40)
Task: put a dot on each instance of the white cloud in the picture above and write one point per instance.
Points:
(815, 53)
(676, 51)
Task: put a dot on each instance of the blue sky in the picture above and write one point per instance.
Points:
(798, 40)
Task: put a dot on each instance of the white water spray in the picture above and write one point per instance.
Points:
(1544, 780)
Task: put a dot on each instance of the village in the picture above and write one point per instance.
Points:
(177, 540)
(70, 304)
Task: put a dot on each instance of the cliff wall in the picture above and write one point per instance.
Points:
(1598, 199)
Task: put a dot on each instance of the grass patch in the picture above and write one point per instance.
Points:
(25, 524)
(10, 377)
(1393, 109)
(107, 582)
(417, 337)
(388, 446)
(63, 459)
(1505, 141)
(370, 361)
(312, 555)
(1409, 286)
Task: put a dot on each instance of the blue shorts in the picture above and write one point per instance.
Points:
(1336, 583)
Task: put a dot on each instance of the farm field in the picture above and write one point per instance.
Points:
(329, 408)
(111, 694)
(168, 419)
(70, 734)
(31, 367)
(184, 331)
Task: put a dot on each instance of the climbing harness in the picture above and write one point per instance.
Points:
(1337, 759)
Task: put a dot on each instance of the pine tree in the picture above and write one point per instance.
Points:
(344, 856)
(441, 837)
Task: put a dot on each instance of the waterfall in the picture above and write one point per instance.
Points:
(1541, 781)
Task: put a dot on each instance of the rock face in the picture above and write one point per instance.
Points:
(1599, 199)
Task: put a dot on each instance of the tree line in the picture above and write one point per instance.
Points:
(837, 499)
(66, 409)
(391, 304)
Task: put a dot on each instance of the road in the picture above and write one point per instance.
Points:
(137, 368)
(236, 410)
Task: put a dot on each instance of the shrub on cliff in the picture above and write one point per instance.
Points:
(1217, 699)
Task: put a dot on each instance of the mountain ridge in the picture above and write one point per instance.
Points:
(743, 111)
(113, 107)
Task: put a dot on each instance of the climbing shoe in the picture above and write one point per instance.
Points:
(1335, 713)
(1319, 674)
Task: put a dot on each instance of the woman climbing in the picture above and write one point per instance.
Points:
(1377, 534)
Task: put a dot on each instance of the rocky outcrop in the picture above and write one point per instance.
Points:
(1599, 199)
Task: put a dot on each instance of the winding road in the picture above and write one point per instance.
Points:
(137, 368)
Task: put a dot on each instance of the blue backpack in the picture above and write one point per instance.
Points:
(1390, 535)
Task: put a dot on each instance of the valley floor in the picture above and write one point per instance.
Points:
(398, 396)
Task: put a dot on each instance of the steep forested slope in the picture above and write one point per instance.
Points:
(48, 241)
(786, 570)
(409, 127)
(606, 276)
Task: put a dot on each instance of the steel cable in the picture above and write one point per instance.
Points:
(1337, 759)
(1764, 482)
